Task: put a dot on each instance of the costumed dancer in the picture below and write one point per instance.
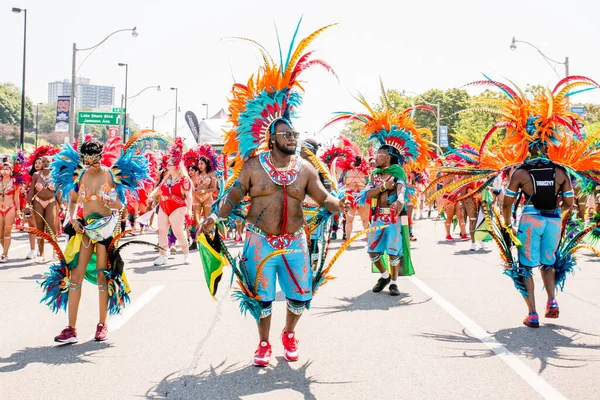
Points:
(401, 143)
(42, 202)
(347, 160)
(34, 163)
(175, 204)
(96, 194)
(543, 142)
(201, 163)
(19, 172)
(263, 145)
(10, 203)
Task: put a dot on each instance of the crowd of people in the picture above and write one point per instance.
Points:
(288, 198)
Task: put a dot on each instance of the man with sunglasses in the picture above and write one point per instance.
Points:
(277, 182)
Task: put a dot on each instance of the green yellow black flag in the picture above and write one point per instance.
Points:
(212, 260)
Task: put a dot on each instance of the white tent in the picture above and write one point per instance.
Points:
(211, 130)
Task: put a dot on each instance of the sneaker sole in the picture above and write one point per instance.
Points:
(67, 341)
(260, 365)
(288, 359)
(100, 340)
(531, 325)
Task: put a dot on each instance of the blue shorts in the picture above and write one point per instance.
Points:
(387, 240)
(540, 236)
(295, 276)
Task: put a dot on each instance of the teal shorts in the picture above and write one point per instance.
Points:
(540, 235)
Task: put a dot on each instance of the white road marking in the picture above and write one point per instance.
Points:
(532, 378)
(117, 321)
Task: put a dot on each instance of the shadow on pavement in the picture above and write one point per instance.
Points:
(369, 301)
(33, 277)
(236, 381)
(548, 344)
(51, 355)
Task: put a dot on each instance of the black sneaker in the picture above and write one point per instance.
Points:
(194, 246)
(394, 290)
(381, 284)
(334, 236)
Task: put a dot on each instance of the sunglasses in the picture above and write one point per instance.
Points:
(289, 134)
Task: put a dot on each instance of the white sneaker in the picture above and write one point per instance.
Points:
(483, 245)
(31, 255)
(160, 260)
(473, 247)
(187, 259)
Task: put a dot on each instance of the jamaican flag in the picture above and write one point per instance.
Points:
(212, 260)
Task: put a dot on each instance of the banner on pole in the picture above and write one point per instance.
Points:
(192, 122)
(62, 114)
(444, 136)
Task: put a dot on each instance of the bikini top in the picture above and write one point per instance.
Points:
(7, 190)
(47, 183)
(175, 189)
(105, 189)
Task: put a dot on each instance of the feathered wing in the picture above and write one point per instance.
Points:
(55, 284)
(65, 170)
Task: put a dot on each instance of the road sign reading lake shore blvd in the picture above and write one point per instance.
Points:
(97, 118)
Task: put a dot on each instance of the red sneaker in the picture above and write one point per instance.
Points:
(532, 321)
(101, 333)
(449, 237)
(68, 335)
(551, 309)
(262, 355)
(290, 346)
(465, 237)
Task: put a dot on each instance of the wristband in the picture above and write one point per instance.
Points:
(382, 188)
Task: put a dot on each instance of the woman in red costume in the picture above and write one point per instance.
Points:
(175, 203)
(9, 204)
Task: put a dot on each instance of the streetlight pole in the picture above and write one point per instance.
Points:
(72, 106)
(176, 98)
(513, 46)
(154, 117)
(18, 11)
(206, 105)
(124, 110)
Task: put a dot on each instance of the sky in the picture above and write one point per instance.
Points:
(412, 46)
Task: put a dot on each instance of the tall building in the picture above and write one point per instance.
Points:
(87, 95)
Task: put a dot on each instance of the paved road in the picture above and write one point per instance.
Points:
(455, 332)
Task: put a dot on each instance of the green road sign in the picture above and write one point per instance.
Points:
(116, 109)
(97, 118)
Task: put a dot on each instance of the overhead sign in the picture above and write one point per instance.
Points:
(97, 118)
(117, 109)
(444, 136)
(62, 114)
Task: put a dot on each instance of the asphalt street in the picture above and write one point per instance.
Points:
(454, 333)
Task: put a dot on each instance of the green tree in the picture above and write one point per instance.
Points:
(10, 106)
(534, 90)
(473, 126)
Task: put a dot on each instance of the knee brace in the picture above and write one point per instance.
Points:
(266, 308)
(296, 306)
(375, 257)
(394, 262)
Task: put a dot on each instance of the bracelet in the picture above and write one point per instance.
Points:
(382, 188)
